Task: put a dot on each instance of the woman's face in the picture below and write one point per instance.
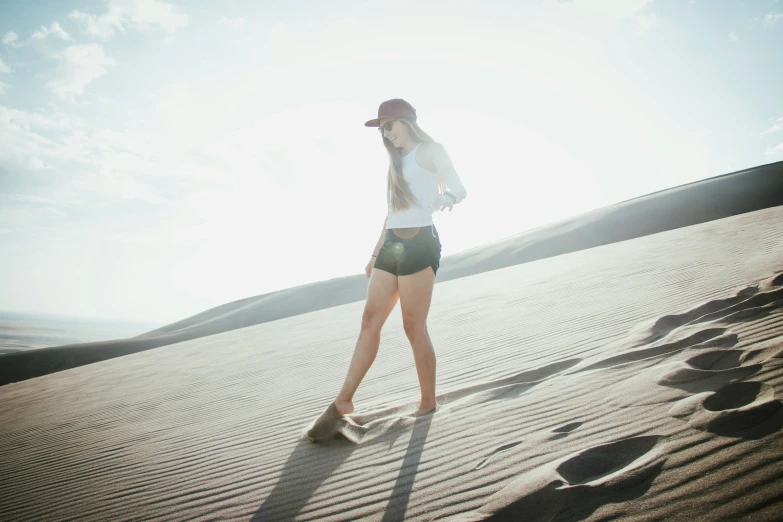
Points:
(398, 135)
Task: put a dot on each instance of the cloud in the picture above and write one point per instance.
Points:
(141, 15)
(777, 126)
(79, 66)
(53, 30)
(145, 15)
(234, 23)
(26, 147)
(10, 37)
(647, 21)
(772, 151)
(771, 18)
(733, 37)
(58, 157)
(99, 27)
(5, 69)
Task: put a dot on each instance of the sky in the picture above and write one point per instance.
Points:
(159, 158)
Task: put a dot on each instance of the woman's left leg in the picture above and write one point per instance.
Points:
(415, 297)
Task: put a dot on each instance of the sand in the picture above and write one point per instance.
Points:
(702, 201)
(639, 380)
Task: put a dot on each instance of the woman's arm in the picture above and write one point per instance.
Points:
(368, 268)
(379, 244)
(446, 170)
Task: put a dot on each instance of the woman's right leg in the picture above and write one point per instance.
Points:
(382, 295)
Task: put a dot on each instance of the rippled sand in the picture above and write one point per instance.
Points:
(641, 379)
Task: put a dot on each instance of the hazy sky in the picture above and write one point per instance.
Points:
(161, 158)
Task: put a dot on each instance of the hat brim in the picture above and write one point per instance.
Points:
(373, 123)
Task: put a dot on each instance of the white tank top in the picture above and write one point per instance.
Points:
(424, 186)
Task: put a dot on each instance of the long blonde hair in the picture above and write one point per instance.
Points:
(398, 192)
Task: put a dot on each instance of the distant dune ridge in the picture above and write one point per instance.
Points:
(640, 380)
(28, 331)
(715, 198)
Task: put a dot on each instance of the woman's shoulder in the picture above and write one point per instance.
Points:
(431, 147)
(429, 153)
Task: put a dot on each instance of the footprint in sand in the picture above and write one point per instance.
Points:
(574, 486)
(331, 425)
(702, 339)
(708, 371)
(668, 323)
(769, 351)
(564, 431)
(751, 302)
(722, 405)
(559, 433)
(716, 360)
(496, 451)
(754, 308)
(578, 483)
(740, 409)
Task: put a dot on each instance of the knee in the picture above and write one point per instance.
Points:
(415, 330)
(372, 322)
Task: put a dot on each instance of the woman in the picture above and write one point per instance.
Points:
(405, 259)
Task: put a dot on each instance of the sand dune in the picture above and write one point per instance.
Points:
(722, 196)
(640, 380)
(26, 331)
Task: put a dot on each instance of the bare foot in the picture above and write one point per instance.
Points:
(344, 407)
(325, 425)
(424, 410)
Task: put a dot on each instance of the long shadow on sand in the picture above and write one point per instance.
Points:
(400, 496)
(308, 466)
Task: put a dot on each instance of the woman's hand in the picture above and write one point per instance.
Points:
(442, 202)
(368, 268)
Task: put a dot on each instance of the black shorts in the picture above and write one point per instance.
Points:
(406, 251)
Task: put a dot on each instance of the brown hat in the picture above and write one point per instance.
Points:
(395, 108)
